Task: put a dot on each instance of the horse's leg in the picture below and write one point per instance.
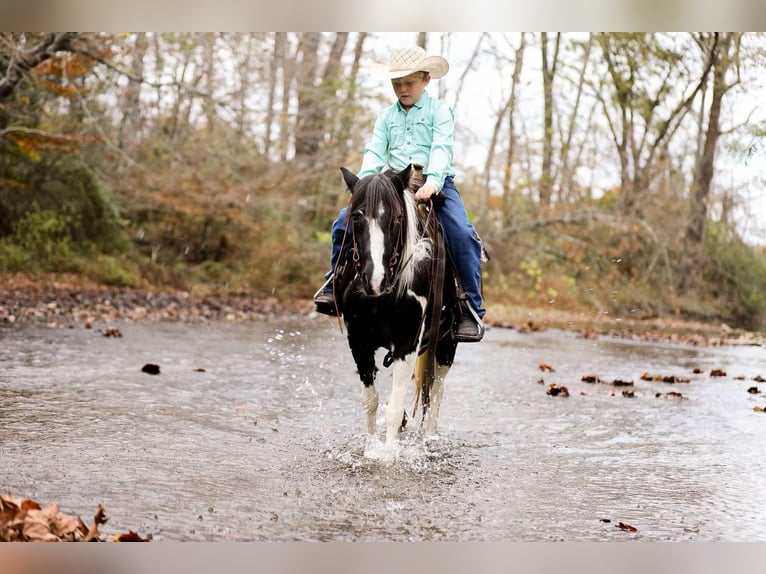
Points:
(370, 406)
(365, 364)
(437, 392)
(402, 375)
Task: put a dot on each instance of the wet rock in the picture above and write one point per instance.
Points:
(151, 369)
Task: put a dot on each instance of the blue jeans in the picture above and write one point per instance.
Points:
(462, 241)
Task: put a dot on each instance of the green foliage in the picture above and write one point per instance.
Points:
(40, 242)
(57, 184)
(737, 274)
(110, 270)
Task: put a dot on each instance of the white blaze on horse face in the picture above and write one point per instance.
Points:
(377, 248)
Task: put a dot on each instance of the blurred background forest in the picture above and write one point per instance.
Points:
(613, 172)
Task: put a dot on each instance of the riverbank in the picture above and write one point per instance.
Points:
(71, 301)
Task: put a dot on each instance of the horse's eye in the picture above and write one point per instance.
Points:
(358, 216)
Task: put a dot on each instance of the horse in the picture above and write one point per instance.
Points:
(396, 289)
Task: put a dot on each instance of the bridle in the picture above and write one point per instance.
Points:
(395, 266)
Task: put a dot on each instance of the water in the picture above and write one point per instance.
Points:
(255, 432)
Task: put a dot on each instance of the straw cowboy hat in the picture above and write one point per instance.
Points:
(405, 61)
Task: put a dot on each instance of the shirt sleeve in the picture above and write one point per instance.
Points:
(440, 158)
(376, 151)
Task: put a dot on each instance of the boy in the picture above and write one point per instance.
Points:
(419, 129)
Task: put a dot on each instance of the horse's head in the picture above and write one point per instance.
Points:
(378, 225)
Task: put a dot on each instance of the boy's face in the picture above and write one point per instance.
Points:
(409, 88)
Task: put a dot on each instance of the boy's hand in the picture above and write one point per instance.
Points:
(425, 192)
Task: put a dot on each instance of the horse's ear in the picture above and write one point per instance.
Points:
(403, 178)
(350, 179)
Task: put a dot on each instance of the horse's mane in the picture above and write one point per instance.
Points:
(378, 190)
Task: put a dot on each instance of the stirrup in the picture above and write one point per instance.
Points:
(324, 300)
(479, 326)
(324, 285)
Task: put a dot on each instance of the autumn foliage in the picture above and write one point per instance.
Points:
(24, 520)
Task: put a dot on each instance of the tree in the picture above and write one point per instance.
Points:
(645, 94)
(723, 49)
(550, 63)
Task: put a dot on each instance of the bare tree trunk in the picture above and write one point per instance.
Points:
(245, 85)
(288, 73)
(210, 81)
(308, 128)
(549, 72)
(347, 114)
(566, 177)
(704, 169)
(510, 157)
(131, 107)
(273, 69)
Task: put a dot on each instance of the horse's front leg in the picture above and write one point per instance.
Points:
(365, 364)
(402, 375)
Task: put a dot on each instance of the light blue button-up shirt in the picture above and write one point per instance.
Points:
(422, 135)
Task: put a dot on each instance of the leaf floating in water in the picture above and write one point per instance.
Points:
(759, 379)
(621, 383)
(112, 332)
(545, 367)
(606, 520)
(664, 378)
(130, 536)
(739, 378)
(697, 371)
(555, 390)
(626, 527)
(200, 370)
(758, 409)
(753, 390)
(630, 394)
(717, 373)
(590, 379)
(151, 369)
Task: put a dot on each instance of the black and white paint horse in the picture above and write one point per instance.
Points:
(395, 290)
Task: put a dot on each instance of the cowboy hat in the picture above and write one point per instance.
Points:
(405, 61)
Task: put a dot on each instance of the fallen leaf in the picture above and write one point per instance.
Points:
(556, 390)
(717, 373)
(130, 536)
(626, 527)
(545, 367)
(98, 519)
(753, 390)
(621, 383)
(590, 379)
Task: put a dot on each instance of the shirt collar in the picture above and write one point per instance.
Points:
(419, 104)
